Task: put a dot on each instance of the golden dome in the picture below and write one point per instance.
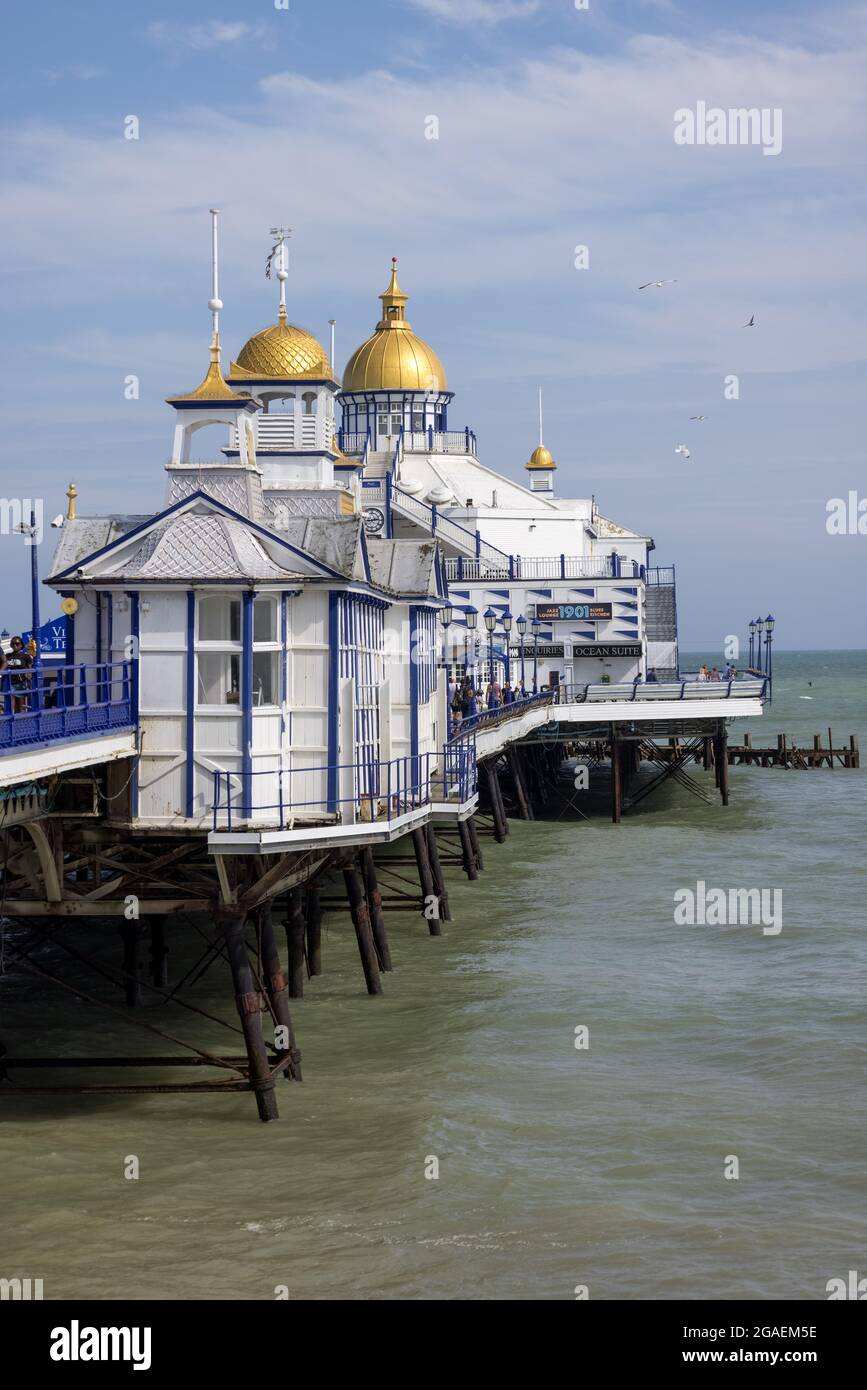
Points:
(282, 351)
(394, 358)
(541, 458)
(214, 387)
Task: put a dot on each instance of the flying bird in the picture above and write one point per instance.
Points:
(696, 417)
(682, 449)
(752, 322)
(657, 284)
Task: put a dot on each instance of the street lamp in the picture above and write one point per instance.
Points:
(521, 625)
(447, 614)
(535, 628)
(752, 643)
(472, 617)
(760, 627)
(490, 624)
(507, 628)
(769, 630)
(30, 529)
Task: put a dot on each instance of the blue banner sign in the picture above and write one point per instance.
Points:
(568, 612)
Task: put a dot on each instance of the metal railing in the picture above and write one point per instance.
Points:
(630, 691)
(44, 704)
(431, 441)
(499, 714)
(379, 791)
(439, 525)
(518, 567)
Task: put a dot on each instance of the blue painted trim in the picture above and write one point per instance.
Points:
(98, 646)
(333, 697)
(186, 504)
(247, 703)
(413, 683)
(365, 554)
(134, 694)
(284, 669)
(191, 699)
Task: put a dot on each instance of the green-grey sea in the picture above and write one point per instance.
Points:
(557, 1166)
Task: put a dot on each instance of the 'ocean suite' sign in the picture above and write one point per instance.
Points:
(607, 649)
(567, 612)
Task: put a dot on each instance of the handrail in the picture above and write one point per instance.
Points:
(684, 689)
(46, 703)
(394, 787)
(440, 525)
(499, 714)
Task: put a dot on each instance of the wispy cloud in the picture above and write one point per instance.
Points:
(468, 12)
(216, 33)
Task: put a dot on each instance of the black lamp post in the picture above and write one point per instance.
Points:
(760, 628)
(490, 624)
(536, 628)
(472, 616)
(521, 625)
(752, 644)
(446, 617)
(769, 637)
(507, 628)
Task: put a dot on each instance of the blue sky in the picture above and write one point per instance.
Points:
(555, 131)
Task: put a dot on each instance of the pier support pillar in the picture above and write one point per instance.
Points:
(314, 930)
(249, 1004)
(516, 766)
(467, 853)
(498, 812)
(278, 993)
(472, 830)
(722, 763)
(363, 932)
(437, 873)
(295, 929)
(616, 780)
(131, 936)
(425, 878)
(374, 904)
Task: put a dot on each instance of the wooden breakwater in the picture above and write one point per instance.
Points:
(790, 754)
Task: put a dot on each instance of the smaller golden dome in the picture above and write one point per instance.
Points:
(214, 387)
(283, 352)
(541, 458)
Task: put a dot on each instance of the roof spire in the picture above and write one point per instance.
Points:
(541, 440)
(393, 301)
(281, 235)
(71, 493)
(214, 387)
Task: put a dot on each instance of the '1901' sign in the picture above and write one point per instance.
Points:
(565, 612)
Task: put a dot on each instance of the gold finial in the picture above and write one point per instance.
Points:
(71, 493)
(393, 301)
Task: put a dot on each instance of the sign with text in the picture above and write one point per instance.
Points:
(569, 612)
(606, 649)
(543, 649)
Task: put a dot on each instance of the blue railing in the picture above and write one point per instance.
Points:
(379, 791)
(44, 704)
(498, 714)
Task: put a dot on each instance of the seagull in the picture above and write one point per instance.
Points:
(752, 322)
(696, 417)
(657, 284)
(682, 449)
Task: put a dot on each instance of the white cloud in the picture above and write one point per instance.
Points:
(477, 11)
(213, 34)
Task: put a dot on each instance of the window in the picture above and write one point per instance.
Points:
(219, 678)
(396, 423)
(383, 424)
(219, 618)
(265, 679)
(309, 399)
(417, 423)
(264, 620)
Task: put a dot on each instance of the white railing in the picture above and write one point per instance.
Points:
(539, 566)
(440, 442)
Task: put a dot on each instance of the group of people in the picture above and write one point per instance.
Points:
(464, 701)
(14, 686)
(714, 674)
